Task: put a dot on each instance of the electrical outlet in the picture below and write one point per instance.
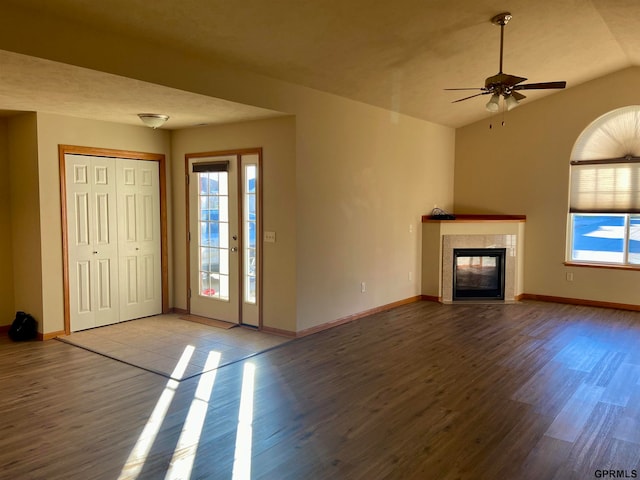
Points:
(410, 276)
(569, 276)
(363, 287)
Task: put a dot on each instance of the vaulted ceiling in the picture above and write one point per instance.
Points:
(398, 55)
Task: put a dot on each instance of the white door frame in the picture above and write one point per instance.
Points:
(238, 153)
(104, 152)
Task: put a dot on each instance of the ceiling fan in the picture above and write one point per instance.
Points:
(503, 84)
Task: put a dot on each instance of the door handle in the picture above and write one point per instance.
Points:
(95, 252)
(234, 249)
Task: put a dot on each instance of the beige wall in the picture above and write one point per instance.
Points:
(523, 168)
(25, 215)
(277, 139)
(52, 131)
(6, 250)
(363, 174)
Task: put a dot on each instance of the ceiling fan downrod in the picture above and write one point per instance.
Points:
(501, 20)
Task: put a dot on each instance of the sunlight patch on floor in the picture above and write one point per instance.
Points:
(242, 458)
(138, 455)
(187, 447)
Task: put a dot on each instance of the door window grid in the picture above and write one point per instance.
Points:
(213, 198)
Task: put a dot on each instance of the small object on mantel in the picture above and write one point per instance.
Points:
(439, 214)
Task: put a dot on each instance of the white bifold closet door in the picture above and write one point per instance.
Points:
(113, 231)
(139, 238)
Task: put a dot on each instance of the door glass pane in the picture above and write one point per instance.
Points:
(598, 238)
(249, 232)
(213, 235)
(634, 240)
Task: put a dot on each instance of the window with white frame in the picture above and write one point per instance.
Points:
(604, 199)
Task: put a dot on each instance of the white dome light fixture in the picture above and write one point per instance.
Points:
(511, 102)
(494, 103)
(153, 120)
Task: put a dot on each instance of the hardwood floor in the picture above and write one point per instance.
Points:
(426, 391)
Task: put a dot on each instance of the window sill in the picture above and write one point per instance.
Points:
(602, 265)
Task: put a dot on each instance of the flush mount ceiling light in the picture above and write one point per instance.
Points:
(153, 120)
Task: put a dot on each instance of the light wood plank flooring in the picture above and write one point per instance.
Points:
(157, 343)
(426, 391)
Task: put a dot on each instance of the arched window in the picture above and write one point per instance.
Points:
(604, 199)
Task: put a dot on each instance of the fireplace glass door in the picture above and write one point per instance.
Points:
(478, 273)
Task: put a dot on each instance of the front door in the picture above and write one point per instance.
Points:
(224, 225)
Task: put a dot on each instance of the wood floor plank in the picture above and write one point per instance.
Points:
(419, 392)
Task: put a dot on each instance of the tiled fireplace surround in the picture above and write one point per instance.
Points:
(441, 237)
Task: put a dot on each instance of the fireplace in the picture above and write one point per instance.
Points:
(494, 232)
(478, 273)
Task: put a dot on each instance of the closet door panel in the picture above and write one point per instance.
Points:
(139, 238)
(92, 250)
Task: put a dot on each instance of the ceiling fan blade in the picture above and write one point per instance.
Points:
(472, 88)
(540, 86)
(467, 98)
(518, 96)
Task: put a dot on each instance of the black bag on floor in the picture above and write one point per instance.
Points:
(24, 327)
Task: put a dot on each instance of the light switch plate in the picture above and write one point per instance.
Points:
(270, 237)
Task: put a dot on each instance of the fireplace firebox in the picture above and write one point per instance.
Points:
(478, 273)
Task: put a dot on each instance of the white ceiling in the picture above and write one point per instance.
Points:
(398, 54)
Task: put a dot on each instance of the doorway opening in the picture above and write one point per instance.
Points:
(224, 248)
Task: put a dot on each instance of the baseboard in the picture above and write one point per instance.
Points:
(580, 301)
(4, 329)
(50, 335)
(278, 331)
(356, 316)
(431, 298)
(179, 311)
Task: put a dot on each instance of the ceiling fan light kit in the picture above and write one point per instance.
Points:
(505, 85)
(493, 105)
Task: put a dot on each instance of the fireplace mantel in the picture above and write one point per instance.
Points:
(439, 237)
(477, 218)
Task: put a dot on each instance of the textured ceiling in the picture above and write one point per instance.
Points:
(399, 55)
(33, 84)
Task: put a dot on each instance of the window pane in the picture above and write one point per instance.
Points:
(598, 238)
(212, 182)
(222, 183)
(249, 232)
(203, 181)
(224, 287)
(205, 288)
(251, 178)
(634, 240)
(250, 294)
(222, 208)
